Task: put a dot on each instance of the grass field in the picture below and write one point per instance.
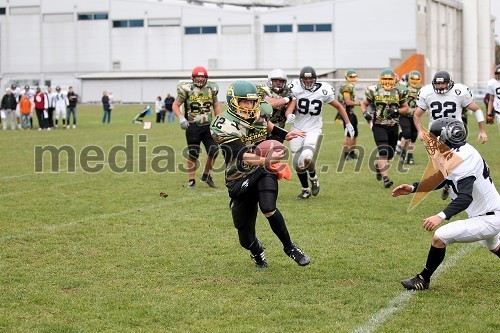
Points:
(103, 252)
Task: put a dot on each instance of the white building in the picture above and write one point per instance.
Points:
(139, 49)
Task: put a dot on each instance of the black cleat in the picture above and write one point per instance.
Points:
(305, 194)
(353, 155)
(410, 161)
(259, 260)
(300, 257)
(446, 192)
(314, 185)
(416, 283)
(191, 184)
(209, 181)
(378, 174)
(388, 183)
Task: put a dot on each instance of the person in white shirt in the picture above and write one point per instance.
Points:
(310, 97)
(476, 194)
(493, 88)
(61, 102)
(158, 108)
(51, 103)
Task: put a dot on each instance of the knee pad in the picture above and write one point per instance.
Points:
(305, 157)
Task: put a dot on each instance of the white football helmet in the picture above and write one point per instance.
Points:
(280, 80)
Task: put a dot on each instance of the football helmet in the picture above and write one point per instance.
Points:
(415, 79)
(280, 79)
(388, 79)
(351, 76)
(449, 131)
(442, 77)
(243, 90)
(497, 73)
(199, 75)
(307, 77)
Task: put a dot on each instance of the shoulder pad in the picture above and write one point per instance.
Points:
(185, 86)
(263, 90)
(213, 85)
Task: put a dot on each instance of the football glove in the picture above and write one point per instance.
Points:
(349, 130)
(490, 119)
(183, 122)
(290, 119)
(367, 116)
(392, 112)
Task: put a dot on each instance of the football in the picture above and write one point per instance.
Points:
(264, 147)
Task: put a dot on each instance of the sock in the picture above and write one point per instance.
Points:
(497, 253)
(410, 156)
(434, 259)
(204, 177)
(303, 179)
(277, 223)
(312, 173)
(256, 247)
(386, 178)
(345, 154)
(403, 153)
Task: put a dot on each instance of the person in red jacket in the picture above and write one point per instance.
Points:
(41, 109)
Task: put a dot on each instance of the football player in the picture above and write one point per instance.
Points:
(347, 97)
(310, 96)
(388, 102)
(408, 129)
(445, 98)
(476, 194)
(493, 88)
(250, 185)
(277, 93)
(200, 99)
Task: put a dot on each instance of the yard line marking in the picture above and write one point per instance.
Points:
(398, 302)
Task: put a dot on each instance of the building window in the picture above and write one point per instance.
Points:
(2, 11)
(273, 28)
(314, 27)
(200, 30)
(92, 16)
(165, 22)
(128, 23)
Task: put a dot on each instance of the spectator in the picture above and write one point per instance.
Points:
(106, 106)
(61, 102)
(72, 100)
(40, 102)
(169, 101)
(158, 108)
(50, 98)
(25, 106)
(9, 104)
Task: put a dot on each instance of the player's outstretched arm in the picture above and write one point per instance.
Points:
(403, 189)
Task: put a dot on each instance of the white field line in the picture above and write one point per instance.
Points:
(399, 302)
(105, 216)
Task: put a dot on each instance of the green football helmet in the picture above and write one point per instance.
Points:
(243, 90)
(387, 79)
(415, 79)
(351, 76)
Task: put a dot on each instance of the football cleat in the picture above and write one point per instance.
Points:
(209, 181)
(353, 155)
(415, 283)
(259, 260)
(378, 174)
(300, 257)
(305, 194)
(191, 184)
(410, 161)
(388, 183)
(314, 185)
(446, 192)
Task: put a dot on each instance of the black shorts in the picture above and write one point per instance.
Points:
(195, 135)
(386, 138)
(408, 128)
(354, 122)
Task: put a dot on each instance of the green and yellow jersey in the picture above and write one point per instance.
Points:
(236, 137)
(382, 100)
(348, 88)
(412, 98)
(278, 117)
(198, 102)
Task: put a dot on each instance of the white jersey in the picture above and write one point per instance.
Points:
(493, 88)
(449, 104)
(485, 197)
(60, 99)
(308, 111)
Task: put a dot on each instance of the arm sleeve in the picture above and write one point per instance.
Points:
(464, 197)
